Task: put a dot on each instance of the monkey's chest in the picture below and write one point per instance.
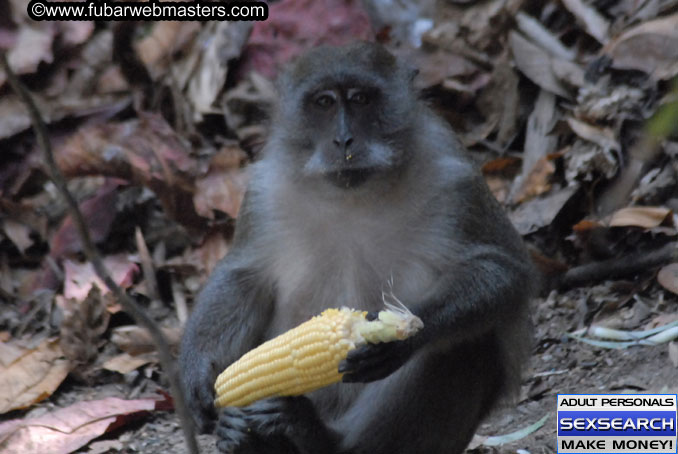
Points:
(316, 270)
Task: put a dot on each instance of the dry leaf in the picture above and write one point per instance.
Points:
(18, 233)
(14, 117)
(213, 249)
(586, 225)
(33, 46)
(294, 26)
(594, 23)
(586, 161)
(646, 217)
(165, 38)
(541, 211)
(569, 72)
(223, 41)
(74, 32)
(125, 363)
(673, 353)
(223, 187)
(99, 214)
(80, 277)
(499, 100)
(145, 150)
(502, 164)
(539, 141)
(136, 340)
(537, 32)
(603, 137)
(668, 277)
(651, 47)
(537, 181)
(82, 327)
(536, 64)
(68, 429)
(32, 377)
(435, 67)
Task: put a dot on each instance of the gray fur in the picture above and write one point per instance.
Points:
(428, 224)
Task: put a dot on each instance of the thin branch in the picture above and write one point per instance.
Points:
(140, 317)
(619, 267)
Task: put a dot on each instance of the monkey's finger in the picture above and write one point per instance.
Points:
(232, 429)
(364, 358)
(269, 424)
(375, 369)
(369, 352)
(364, 367)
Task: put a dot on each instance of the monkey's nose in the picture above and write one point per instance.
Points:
(343, 142)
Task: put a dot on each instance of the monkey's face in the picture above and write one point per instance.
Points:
(345, 115)
(345, 144)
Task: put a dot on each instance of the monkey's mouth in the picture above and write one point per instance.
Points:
(350, 178)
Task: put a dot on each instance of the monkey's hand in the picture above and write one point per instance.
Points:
(375, 361)
(293, 418)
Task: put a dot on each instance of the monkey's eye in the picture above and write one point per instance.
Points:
(324, 100)
(359, 97)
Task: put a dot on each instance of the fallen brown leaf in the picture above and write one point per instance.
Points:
(68, 429)
(603, 137)
(125, 363)
(99, 214)
(222, 41)
(594, 23)
(537, 181)
(536, 64)
(502, 164)
(539, 142)
(82, 327)
(74, 32)
(673, 353)
(223, 187)
(651, 47)
(539, 212)
(586, 225)
(668, 277)
(640, 216)
(294, 26)
(145, 151)
(18, 233)
(165, 38)
(80, 277)
(32, 377)
(33, 45)
(135, 340)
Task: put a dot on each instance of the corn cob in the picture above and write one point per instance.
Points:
(307, 357)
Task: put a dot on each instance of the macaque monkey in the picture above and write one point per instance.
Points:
(361, 185)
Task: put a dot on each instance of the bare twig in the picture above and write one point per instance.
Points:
(93, 256)
(619, 267)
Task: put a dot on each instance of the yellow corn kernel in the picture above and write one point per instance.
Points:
(307, 357)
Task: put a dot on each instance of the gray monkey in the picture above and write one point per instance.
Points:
(361, 184)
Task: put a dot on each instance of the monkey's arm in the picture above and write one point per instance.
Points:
(488, 283)
(231, 315)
